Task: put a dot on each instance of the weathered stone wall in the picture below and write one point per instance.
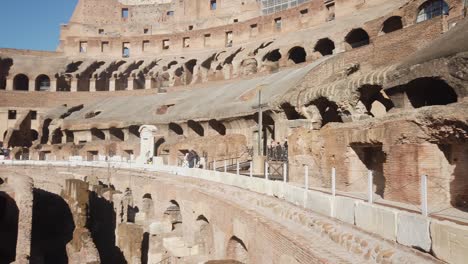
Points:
(225, 210)
(408, 150)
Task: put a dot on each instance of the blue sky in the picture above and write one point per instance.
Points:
(33, 24)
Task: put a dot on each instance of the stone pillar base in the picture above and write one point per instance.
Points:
(258, 165)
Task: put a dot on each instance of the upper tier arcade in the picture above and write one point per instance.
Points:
(95, 60)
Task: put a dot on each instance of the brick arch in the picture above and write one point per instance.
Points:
(21, 82)
(42, 82)
(237, 250)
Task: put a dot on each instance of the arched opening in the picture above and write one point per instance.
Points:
(236, 250)
(134, 130)
(116, 134)
(9, 214)
(21, 83)
(231, 57)
(57, 136)
(375, 100)
(290, 112)
(357, 38)
(207, 63)
(430, 91)
(52, 228)
(328, 110)
(176, 129)
(273, 56)
(190, 66)
(325, 46)
(42, 83)
(34, 135)
(2, 82)
(174, 216)
(63, 83)
(297, 54)
(147, 196)
(196, 127)
(5, 65)
(157, 146)
(393, 23)
(217, 126)
(70, 137)
(97, 134)
(431, 9)
(203, 235)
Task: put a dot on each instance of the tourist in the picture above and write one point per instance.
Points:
(195, 159)
(185, 162)
(278, 151)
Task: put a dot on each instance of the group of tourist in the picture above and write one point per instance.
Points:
(191, 159)
(278, 151)
(4, 153)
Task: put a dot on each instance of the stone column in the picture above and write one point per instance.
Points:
(126, 133)
(106, 134)
(23, 188)
(146, 142)
(92, 84)
(73, 85)
(9, 84)
(112, 84)
(148, 82)
(130, 83)
(32, 85)
(53, 85)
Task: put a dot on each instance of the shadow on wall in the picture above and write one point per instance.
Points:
(145, 248)
(52, 228)
(373, 158)
(102, 224)
(8, 228)
(457, 156)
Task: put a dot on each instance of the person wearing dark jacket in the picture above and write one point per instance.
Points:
(191, 158)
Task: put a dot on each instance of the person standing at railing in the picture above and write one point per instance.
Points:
(193, 158)
(185, 162)
(285, 150)
(278, 151)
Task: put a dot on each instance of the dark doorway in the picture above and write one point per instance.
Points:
(393, 23)
(373, 157)
(297, 55)
(357, 38)
(9, 213)
(325, 47)
(430, 91)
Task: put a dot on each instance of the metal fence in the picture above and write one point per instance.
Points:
(273, 6)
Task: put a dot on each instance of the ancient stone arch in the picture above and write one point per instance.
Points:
(237, 250)
(21, 82)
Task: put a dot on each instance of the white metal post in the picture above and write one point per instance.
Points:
(251, 169)
(225, 166)
(237, 167)
(214, 165)
(266, 170)
(424, 195)
(370, 189)
(285, 172)
(306, 184)
(333, 182)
